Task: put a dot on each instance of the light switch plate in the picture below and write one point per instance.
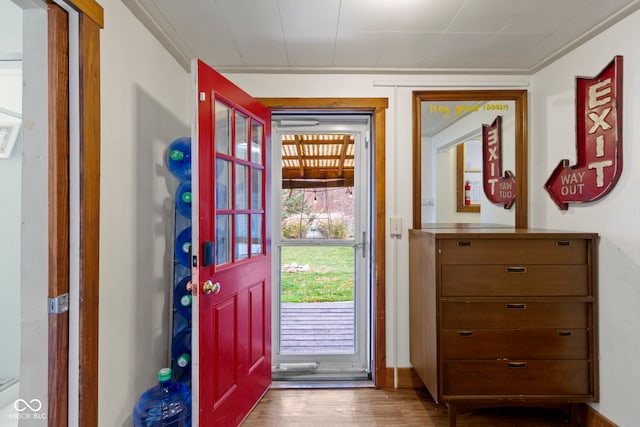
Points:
(396, 226)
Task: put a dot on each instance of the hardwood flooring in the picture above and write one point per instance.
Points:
(384, 408)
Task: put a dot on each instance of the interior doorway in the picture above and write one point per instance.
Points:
(322, 256)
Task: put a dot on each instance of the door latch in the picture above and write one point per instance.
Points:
(362, 244)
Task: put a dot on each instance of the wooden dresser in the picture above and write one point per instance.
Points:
(500, 316)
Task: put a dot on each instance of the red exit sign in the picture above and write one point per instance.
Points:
(599, 141)
(499, 189)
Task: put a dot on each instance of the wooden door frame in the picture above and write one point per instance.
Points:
(377, 107)
(90, 21)
(58, 88)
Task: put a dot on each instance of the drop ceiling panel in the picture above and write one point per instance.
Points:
(528, 23)
(358, 50)
(510, 45)
(399, 15)
(591, 14)
(309, 16)
(460, 46)
(486, 21)
(194, 28)
(266, 51)
(255, 19)
(309, 51)
(406, 49)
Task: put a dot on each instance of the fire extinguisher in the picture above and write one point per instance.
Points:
(467, 193)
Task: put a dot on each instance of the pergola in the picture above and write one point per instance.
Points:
(317, 160)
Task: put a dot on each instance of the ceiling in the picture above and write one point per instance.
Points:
(405, 36)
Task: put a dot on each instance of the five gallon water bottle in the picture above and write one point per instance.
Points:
(178, 158)
(183, 199)
(181, 348)
(168, 404)
(182, 248)
(182, 298)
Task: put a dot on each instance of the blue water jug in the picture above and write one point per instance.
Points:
(178, 158)
(181, 348)
(182, 298)
(183, 375)
(182, 247)
(183, 199)
(168, 404)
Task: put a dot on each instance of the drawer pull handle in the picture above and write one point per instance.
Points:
(516, 269)
(463, 243)
(516, 306)
(517, 365)
(563, 243)
(564, 333)
(465, 333)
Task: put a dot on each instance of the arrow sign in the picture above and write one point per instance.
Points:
(598, 141)
(499, 189)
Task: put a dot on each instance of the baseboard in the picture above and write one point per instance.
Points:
(589, 417)
(407, 378)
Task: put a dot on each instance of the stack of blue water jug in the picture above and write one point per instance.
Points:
(178, 161)
(168, 404)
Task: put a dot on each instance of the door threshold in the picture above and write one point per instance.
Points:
(298, 384)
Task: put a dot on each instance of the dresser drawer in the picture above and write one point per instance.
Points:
(513, 251)
(515, 280)
(510, 315)
(516, 377)
(514, 344)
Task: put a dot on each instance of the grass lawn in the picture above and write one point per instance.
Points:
(329, 278)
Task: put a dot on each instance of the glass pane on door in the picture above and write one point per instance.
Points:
(256, 142)
(223, 180)
(223, 128)
(223, 239)
(242, 133)
(242, 235)
(256, 188)
(256, 234)
(242, 187)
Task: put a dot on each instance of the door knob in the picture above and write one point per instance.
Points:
(209, 287)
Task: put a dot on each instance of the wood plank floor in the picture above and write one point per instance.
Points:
(384, 408)
(317, 328)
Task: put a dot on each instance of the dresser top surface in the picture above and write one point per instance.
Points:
(496, 231)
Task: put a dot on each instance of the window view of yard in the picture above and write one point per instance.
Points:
(317, 273)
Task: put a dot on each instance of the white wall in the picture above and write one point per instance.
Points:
(34, 274)
(144, 107)
(616, 217)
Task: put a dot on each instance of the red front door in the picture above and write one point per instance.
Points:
(232, 261)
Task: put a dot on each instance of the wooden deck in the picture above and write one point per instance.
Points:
(317, 328)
